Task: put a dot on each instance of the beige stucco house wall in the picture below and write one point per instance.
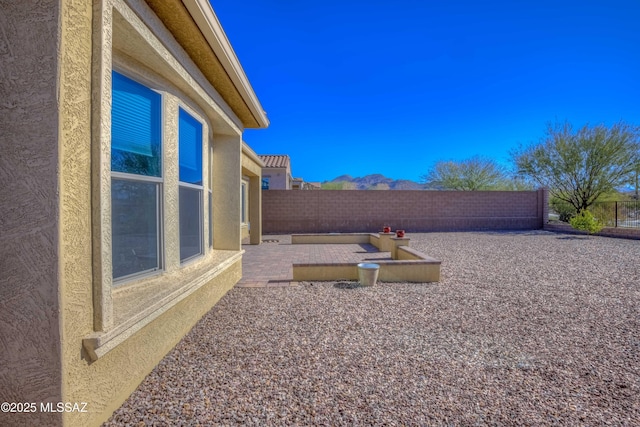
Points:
(68, 331)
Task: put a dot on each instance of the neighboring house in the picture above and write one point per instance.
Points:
(276, 173)
(312, 186)
(297, 183)
(300, 184)
(122, 173)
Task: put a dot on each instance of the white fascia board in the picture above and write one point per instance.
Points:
(206, 19)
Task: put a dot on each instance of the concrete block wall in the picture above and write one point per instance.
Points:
(368, 211)
(624, 233)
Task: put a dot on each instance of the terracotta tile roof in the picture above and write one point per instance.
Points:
(275, 160)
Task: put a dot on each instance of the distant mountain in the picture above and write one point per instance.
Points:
(372, 182)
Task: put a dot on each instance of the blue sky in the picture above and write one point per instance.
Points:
(360, 87)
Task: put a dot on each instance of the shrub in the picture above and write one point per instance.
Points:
(586, 221)
(564, 210)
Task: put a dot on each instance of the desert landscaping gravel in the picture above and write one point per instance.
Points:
(524, 328)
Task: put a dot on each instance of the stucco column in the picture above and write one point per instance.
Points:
(395, 243)
(255, 210)
(227, 178)
(386, 245)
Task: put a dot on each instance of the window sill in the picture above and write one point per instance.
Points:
(137, 305)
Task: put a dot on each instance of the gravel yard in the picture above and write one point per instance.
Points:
(525, 328)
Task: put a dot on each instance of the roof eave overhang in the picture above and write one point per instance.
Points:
(207, 22)
(196, 28)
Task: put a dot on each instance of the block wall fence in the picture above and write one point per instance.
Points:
(326, 211)
(621, 232)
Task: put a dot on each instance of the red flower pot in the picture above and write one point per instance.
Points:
(399, 233)
(386, 229)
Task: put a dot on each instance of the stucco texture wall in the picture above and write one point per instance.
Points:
(368, 211)
(252, 171)
(47, 262)
(106, 382)
(29, 325)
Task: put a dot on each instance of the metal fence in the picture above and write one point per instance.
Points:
(618, 214)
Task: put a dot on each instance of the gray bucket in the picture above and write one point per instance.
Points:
(368, 273)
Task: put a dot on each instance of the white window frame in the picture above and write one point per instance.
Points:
(148, 179)
(200, 188)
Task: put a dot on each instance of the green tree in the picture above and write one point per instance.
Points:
(474, 174)
(634, 180)
(332, 185)
(511, 182)
(578, 167)
(340, 185)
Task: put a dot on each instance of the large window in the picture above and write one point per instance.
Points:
(190, 197)
(136, 178)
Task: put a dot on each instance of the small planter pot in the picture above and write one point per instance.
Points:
(386, 229)
(399, 233)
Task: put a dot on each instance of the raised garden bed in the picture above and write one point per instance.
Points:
(406, 264)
